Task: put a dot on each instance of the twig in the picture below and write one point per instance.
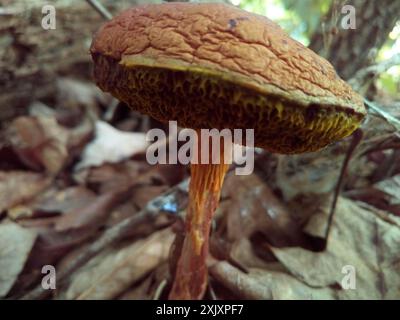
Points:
(363, 75)
(160, 289)
(100, 9)
(357, 137)
(382, 113)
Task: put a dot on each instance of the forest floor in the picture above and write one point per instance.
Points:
(78, 197)
(77, 193)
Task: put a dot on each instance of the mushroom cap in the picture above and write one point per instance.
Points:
(217, 66)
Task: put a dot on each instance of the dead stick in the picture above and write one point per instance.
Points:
(100, 9)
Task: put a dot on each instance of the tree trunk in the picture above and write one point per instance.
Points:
(352, 49)
(31, 57)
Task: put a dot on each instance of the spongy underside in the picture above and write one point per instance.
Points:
(200, 100)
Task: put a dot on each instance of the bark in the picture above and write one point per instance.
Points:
(31, 57)
(352, 49)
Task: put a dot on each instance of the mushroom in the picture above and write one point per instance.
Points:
(217, 66)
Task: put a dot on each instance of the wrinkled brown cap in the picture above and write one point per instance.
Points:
(216, 66)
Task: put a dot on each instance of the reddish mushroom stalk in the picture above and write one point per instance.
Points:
(204, 193)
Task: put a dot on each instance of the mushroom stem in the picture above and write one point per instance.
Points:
(204, 193)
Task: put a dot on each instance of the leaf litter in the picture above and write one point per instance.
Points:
(73, 170)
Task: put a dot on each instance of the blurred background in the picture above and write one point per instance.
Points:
(77, 194)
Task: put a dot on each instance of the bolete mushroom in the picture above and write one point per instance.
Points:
(216, 66)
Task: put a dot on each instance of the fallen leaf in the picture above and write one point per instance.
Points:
(262, 284)
(359, 238)
(15, 246)
(386, 195)
(40, 109)
(111, 176)
(142, 195)
(19, 186)
(93, 214)
(153, 287)
(254, 208)
(110, 146)
(39, 142)
(139, 292)
(309, 173)
(74, 94)
(391, 187)
(60, 234)
(121, 212)
(63, 201)
(113, 272)
(79, 136)
(51, 202)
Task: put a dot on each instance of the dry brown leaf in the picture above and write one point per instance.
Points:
(384, 195)
(254, 208)
(19, 186)
(109, 176)
(113, 272)
(121, 212)
(261, 284)
(143, 195)
(40, 142)
(243, 252)
(309, 173)
(79, 136)
(139, 292)
(65, 200)
(52, 202)
(60, 234)
(360, 238)
(153, 287)
(93, 214)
